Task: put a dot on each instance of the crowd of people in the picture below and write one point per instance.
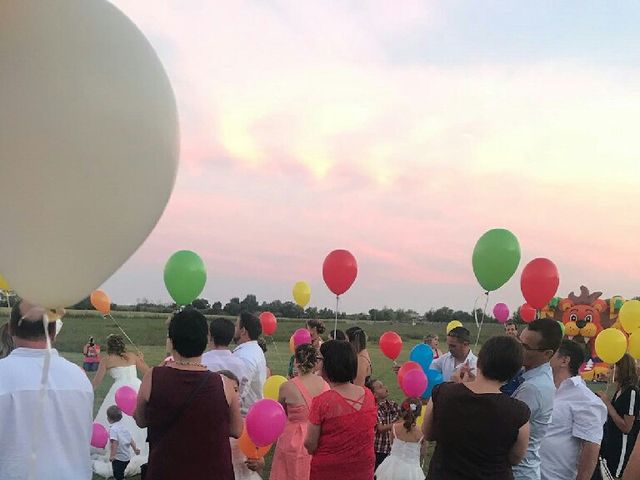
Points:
(519, 409)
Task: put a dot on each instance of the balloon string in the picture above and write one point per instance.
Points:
(38, 419)
(123, 332)
(335, 325)
(475, 315)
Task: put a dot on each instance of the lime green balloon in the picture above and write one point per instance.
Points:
(496, 257)
(185, 276)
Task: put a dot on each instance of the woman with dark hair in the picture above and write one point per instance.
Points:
(123, 367)
(291, 460)
(358, 339)
(190, 412)
(480, 432)
(621, 429)
(342, 420)
(316, 329)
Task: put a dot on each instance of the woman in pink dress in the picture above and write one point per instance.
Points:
(341, 421)
(291, 460)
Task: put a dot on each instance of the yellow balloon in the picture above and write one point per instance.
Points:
(634, 345)
(420, 419)
(272, 386)
(611, 344)
(453, 324)
(630, 315)
(302, 293)
(4, 285)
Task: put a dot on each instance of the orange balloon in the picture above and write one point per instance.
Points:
(248, 447)
(292, 345)
(101, 302)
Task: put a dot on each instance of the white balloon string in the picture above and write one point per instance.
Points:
(39, 414)
(123, 332)
(475, 315)
(335, 325)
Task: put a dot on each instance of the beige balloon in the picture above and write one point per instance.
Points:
(88, 145)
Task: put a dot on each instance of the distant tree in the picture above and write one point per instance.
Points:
(250, 304)
(84, 304)
(201, 304)
(216, 308)
(233, 307)
(373, 314)
(311, 312)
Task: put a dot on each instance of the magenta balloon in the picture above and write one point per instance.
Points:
(414, 383)
(126, 398)
(301, 336)
(99, 436)
(265, 422)
(501, 312)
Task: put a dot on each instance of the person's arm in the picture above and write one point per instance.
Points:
(519, 449)
(135, 448)
(588, 460)
(632, 470)
(141, 365)
(625, 423)
(427, 423)
(114, 449)
(140, 415)
(102, 369)
(85, 349)
(363, 371)
(235, 419)
(255, 464)
(313, 436)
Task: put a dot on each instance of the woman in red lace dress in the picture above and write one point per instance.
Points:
(341, 422)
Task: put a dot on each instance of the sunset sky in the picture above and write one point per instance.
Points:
(401, 131)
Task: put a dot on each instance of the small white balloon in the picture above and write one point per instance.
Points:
(88, 145)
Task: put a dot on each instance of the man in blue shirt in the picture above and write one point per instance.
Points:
(540, 340)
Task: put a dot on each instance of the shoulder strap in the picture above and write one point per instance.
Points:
(393, 430)
(187, 403)
(303, 391)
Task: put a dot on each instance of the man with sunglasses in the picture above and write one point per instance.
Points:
(539, 340)
(54, 424)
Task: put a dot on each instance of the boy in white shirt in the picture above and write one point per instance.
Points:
(120, 440)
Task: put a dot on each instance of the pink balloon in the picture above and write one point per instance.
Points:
(265, 422)
(99, 436)
(126, 398)
(501, 312)
(301, 336)
(414, 383)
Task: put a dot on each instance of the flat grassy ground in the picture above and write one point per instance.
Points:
(149, 333)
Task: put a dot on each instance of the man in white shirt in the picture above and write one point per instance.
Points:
(247, 331)
(570, 449)
(458, 340)
(219, 357)
(57, 427)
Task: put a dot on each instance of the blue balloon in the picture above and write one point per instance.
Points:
(423, 355)
(435, 378)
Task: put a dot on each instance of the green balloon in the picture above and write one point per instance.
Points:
(185, 276)
(496, 257)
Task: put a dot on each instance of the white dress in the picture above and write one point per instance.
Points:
(403, 463)
(101, 465)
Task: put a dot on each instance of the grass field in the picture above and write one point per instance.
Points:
(149, 333)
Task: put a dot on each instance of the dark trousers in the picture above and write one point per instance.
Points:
(118, 469)
(380, 458)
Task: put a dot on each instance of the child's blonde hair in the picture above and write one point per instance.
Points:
(410, 410)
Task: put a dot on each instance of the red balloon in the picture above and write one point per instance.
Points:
(527, 313)
(391, 345)
(339, 271)
(406, 367)
(539, 282)
(268, 322)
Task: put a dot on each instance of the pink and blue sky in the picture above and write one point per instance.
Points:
(401, 131)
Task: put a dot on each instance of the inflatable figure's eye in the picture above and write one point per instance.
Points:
(588, 318)
(573, 317)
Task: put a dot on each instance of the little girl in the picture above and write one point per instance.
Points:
(404, 461)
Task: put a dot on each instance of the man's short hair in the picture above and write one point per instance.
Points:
(251, 324)
(221, 331)
(510, 323)
(31, 329)
(461, 334)
(549, 330)
(114, 413)
(575, 352)
(188, 332)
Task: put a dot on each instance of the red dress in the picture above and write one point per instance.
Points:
(345, 447)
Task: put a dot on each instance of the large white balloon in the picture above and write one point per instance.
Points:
(88, 145)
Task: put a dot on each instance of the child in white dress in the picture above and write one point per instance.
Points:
(403, 463)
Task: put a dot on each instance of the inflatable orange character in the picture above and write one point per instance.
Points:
(581, 315)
